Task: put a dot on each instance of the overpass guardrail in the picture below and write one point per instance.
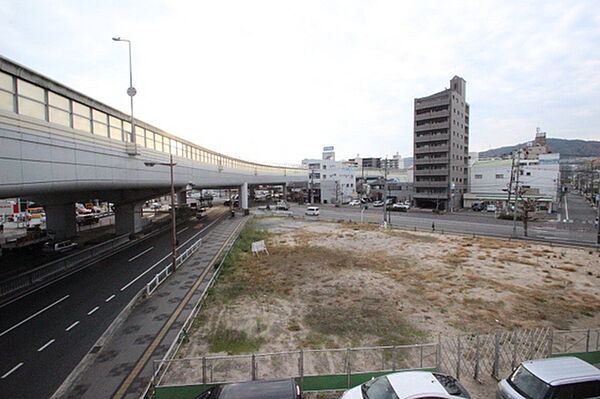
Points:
(28, 279)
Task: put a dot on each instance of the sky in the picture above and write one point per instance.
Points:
(275, 81)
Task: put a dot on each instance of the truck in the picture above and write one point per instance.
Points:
(282, 206)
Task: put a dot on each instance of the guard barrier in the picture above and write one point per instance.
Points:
(28, 279)
(161, 276)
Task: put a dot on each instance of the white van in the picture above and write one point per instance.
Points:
(312, 211)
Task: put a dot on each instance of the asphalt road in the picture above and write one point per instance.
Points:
(44, 335)
(577, 211)
(463, 222)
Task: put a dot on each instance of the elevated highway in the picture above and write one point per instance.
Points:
(58, 147)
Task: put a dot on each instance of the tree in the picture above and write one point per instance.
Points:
(527, 205)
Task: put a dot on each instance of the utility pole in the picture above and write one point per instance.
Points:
(312, 197)
(385, 193)
(517, 172)
(510, 182)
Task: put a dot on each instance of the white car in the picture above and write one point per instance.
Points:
(312, 211)
(378, 204)
(409, 385)
(354, 202)
(559, 377)
(401, 206)
(491, 208)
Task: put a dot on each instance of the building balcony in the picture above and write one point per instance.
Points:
(429, 115)
(431, 103)
(442, 183)
(429, 161)
(431, 148)
(432, 137)
(431, 126)
(432, 172)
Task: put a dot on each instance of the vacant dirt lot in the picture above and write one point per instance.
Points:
(330, 285)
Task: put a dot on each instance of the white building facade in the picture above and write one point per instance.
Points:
(331, 181)
(539, 178)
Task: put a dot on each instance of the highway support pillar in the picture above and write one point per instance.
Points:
(61, 220)
(244, 198)
(182, 198)
(128, 217)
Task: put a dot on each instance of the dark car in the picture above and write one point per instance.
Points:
(270, 389)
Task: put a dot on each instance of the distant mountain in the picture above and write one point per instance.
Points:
(566, 148)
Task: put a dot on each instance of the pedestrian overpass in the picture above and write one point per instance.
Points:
(59, 146)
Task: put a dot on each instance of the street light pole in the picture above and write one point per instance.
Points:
(131, 91)
(171, 164)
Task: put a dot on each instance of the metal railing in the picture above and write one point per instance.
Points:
(70, 262)
(299, 364)
(158, 365)
(569, 341)
(162, 275)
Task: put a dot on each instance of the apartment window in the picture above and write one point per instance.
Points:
(479, 176)
(499, 176)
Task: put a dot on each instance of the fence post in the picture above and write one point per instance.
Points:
(550, 343)
(394, 355)
(204, 370)
(301, 369)
(458, 356)
(515, 339)
(476, 373)
(496, 355)
(253, 367)
(348, 367)
(438, 354)
(587, 341)
(421, 347)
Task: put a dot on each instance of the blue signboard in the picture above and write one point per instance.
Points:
(330, 148)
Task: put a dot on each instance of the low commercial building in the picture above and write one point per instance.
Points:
(538, 178)
(330, 181)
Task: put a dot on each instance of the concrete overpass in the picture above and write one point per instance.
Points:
(58, 147)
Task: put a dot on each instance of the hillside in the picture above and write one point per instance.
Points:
(566, 148)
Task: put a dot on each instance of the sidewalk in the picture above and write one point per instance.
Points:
(110, 369)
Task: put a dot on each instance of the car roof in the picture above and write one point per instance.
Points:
(410, 383)
(272, 389)
(562, 370)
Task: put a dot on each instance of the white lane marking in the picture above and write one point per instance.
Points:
(109, 298)
(182, 230)
(93, 310)
(166, 256)
(146, 271)
(11, 371)
(140, 254)
(47, 345)
(33, 315)
(72, 325)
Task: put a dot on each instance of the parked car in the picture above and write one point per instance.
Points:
(354, 202)
(478, 206)
(491, 208)
(269, 389)
(409, 384)
(398, 205)
(155, 205)
(378, 204)
(558, 377)
(60, 246)
(282, 206)
(201, 213)
(312, 211)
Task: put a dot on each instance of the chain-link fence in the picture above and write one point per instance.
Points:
(465, 356)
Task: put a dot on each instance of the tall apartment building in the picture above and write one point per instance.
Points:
(441, 147)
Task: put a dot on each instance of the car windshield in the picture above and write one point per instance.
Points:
(379, 388)
(528, 384)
